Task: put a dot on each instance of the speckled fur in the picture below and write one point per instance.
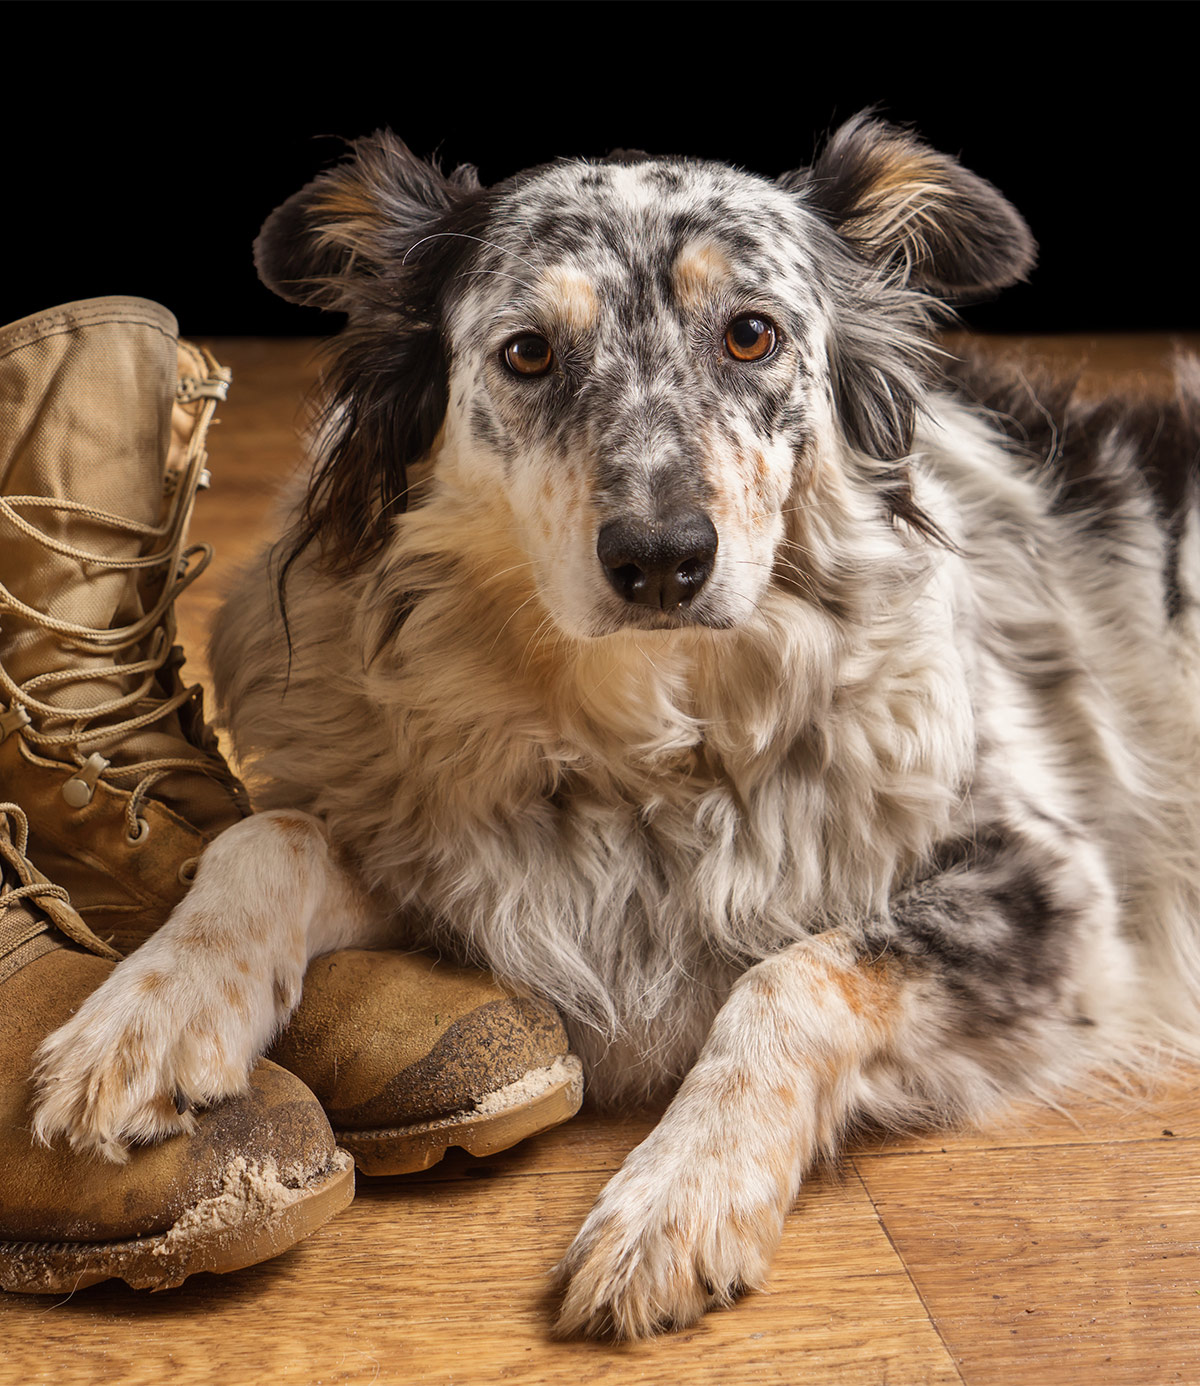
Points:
(894, 820)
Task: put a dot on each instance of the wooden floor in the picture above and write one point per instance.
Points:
(1059, 1247)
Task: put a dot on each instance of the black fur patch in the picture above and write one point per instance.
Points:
(985, 921)
(1106, 458)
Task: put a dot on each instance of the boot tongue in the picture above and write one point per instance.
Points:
(86, 409)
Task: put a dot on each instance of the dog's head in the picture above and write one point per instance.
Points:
(654, 368)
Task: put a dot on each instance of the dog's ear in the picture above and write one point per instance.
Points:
(380, 237)
(920, 229)
(329, 244)
(904, 206)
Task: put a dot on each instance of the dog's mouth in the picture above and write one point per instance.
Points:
(684, 617)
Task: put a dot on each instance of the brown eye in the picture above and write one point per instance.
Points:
(529, 354)
(750, 338)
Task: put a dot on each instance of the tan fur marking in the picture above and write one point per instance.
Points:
(153, 984)
(200, 931)
(132, 1059)
(902, 167)
(906, 182)
(764, 985)
(572, 298)
(297, 834)
(784, 1093)
(233, 994)
(348, 200)
(699, 273)
(868, 990)
(762, 483)
(548, 492)
(760, 1229)
(258, 929)
(204, 1024)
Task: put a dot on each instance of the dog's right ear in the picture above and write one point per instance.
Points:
(329, 244)
(380, 238)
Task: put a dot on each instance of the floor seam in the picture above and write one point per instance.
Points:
(887, 1232)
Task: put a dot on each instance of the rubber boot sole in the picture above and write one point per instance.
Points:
(544, 1098)
(252, 1219)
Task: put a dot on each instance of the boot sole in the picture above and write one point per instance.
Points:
(211, 1236)
(543, 1098)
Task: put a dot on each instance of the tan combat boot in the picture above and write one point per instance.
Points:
(103, 419)
(255, 1175)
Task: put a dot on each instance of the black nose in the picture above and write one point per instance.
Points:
(662, 562)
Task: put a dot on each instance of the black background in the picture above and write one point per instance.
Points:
(146, 142)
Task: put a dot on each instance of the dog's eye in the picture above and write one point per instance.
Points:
(750, 338)
(529, 354)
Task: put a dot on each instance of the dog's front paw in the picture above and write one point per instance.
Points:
(664, 1244)
(134, 1059)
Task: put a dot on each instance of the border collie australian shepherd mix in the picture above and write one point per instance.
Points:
(668, 625)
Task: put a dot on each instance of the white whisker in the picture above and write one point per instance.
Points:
(464, 236)
(515, 612)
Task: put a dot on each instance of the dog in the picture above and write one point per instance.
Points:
(669, 625)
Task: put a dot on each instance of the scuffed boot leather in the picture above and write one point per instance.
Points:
(251, 1178)
(410, 1056)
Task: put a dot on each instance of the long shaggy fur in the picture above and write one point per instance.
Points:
(880, 806)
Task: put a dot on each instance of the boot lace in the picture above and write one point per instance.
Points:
(79, 730)
(13, 844)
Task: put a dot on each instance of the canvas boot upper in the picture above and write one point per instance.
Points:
(103, 420)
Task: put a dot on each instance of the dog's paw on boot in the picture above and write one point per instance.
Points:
(245, 1181)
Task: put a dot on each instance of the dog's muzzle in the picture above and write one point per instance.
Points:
(658, 563)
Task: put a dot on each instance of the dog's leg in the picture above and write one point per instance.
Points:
(962, 990)
(181, 1021)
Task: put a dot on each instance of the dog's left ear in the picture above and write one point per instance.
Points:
(913, 220)
(902, 205)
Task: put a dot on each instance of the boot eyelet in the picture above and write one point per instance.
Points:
(187, 870)
(139, 834)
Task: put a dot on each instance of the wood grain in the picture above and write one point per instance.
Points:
(1053, 1265)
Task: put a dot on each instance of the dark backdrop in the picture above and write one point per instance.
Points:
(146, 142)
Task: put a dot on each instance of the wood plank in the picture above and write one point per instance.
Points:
(1129, 361)
(1052, 1266)
(448, 1281)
